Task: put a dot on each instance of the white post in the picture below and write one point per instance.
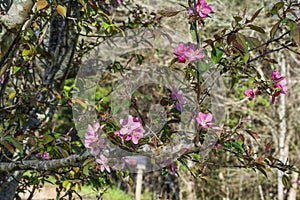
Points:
(139, 181)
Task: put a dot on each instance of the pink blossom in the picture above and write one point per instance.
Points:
(178, 95)
(204, 120)
(131, 129)
(276, 75)
(3, 78)
(187, 51)
(194, 55)
(46, 156)
(202, 9)
(249, 93)
(119, 2)
(91, 138)
(181, 59)
(180, 49)
(103, 161)
(279, 85)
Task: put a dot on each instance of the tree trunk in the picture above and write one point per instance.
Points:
(292, 195)
(282, 134)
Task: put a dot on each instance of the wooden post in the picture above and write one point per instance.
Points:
(139, 181)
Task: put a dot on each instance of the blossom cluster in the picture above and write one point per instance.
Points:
(201, 8)
(177, 95)
(188, 51)
(94, 143)
(45, 155)
(279, 84)
(131, 129)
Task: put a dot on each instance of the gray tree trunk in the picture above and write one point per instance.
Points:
(282, 133)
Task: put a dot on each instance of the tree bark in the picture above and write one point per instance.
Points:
(292, 195)
(11, 24)
(282, 134)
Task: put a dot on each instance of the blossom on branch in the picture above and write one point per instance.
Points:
(249, 93)
(204, 120)
(201, 8)
(279, 85)
(91, 138)
(178, 96)
(188, 51)
(103, 161)
(131, 129)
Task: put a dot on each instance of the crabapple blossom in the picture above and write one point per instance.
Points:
(249, 93)
(103, 161)
(201, 8)
(187, 51)
(276, 75)
(131, 129)
(91, 138)
(204, 120)
(279, 84)
(178, 95)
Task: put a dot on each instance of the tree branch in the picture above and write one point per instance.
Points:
(44, 165)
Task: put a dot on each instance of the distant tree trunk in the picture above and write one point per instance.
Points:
(282, 133)
(292, 195)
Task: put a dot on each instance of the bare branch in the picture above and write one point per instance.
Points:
(44, 165)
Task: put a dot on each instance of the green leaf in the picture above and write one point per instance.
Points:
(237, 19)
(25, 53)
(274, 29)
(286, 181)
(262, 170)
(48, 138)
(216, 55)
(15, 143)
(196, 156)
(276, 7)
(12, 94)
(257, 28)
(66, 184)
(166, 13)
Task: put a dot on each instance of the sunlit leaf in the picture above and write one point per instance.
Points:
(12, 94)
(41, 4)
(61, 10)
(257, 28)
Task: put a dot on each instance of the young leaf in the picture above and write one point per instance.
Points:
(216, 54)
(254, 16)
(61, 10)
(257, 28)
(41, 4)
(15, 143)
(167, 13)
(274, 29)
(286, 181)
